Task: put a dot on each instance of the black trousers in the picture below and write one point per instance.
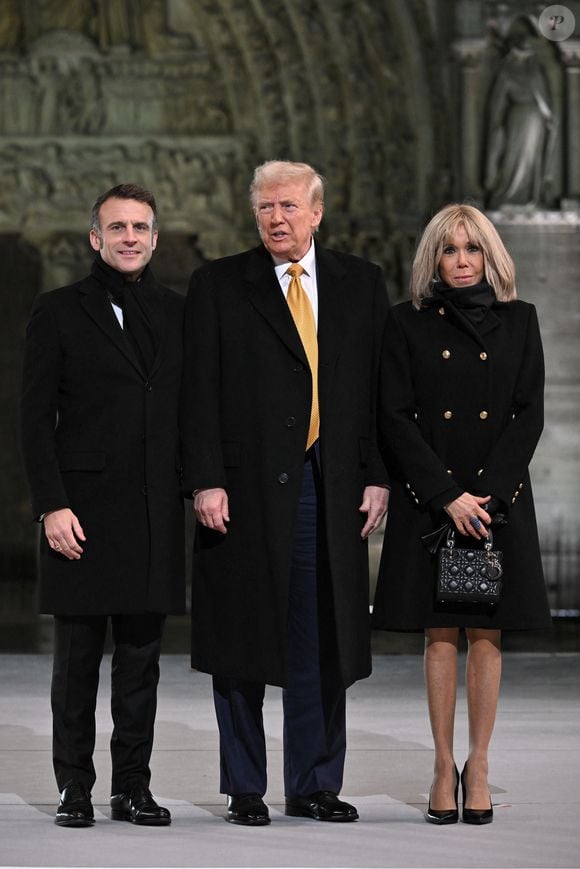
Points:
(314, 699)
(78, 650)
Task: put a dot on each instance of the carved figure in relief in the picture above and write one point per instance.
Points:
(521, 126)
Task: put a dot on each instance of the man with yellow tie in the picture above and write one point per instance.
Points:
(278, 430)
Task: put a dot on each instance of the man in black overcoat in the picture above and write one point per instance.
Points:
(281, 348)
(100, 440)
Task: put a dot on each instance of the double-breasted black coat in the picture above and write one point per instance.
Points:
(460, 409)
(247, 398)
(101, 437)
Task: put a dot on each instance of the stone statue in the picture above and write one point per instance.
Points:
(521, 125)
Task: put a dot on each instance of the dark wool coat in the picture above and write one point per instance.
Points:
(101, 438)
(460, 409)
(247, 396)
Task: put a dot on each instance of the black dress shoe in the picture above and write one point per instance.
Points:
(444, 816)
(247, 809)
(139, 807)
(322, 806)
(474, 816)
(75, 808)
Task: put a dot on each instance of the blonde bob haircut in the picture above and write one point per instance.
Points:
(281, 171)
(498, 265)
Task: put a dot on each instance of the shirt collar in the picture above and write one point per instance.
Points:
(308, 263)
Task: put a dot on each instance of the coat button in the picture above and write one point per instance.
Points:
(148, 387)
(448, 414)
(407, 485)
(484, 414)
(480, 472)
(449, 471)
(483, 355)
(416, 500)
(442, 311)
(446, 354)
(145, 490)
(513, 500)
(298, 368)
(521, 486)
(283, 478)
(290, 421)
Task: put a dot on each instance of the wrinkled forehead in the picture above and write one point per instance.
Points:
(284, 191)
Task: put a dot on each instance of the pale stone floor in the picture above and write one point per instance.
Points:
(534, 777)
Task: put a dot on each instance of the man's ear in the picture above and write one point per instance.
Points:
(94, 240)
(154, 238)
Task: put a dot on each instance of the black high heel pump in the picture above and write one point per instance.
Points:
(474, 816)
(444, 816)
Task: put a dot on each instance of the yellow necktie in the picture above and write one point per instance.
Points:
(303, 315)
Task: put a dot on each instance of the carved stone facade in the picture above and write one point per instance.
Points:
(388, 100)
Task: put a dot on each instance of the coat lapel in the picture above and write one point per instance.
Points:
(265, 295)
(331, 318)
(95, 303)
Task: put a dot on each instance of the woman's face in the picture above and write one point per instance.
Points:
(461, 263)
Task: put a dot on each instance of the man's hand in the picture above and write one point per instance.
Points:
(211, 509)
(375, 503)
(63, 531)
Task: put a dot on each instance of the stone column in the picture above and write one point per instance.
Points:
(469, 54)
(570, 50)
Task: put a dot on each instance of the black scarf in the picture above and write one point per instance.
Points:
(472, 303)
(139, 302)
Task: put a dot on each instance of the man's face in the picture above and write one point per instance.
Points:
(286, 219)
(126, 239)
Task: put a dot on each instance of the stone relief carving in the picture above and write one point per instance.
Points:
(50, 182)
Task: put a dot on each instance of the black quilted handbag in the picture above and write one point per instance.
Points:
(469, 575)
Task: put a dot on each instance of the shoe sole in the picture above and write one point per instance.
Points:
(75, 822)
(147, 822)
(299, 813)
(257, 822)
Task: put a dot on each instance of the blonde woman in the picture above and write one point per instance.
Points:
(461, 412)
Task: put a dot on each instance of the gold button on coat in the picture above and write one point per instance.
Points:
(442, 311)
(483, 355)
(446, 354)
(484, 414)
(447, 414)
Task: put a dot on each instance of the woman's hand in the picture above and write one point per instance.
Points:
(468, 514)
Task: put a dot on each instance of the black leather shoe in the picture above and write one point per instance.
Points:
(444, 816)
(247, 809)
(139, 807)
(322, 806)
(474, 816)
(75, 808)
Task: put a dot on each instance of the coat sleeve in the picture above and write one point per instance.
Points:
(506, 466)
(377, 473)
(39, 409)
(203, 465)
(404, 448)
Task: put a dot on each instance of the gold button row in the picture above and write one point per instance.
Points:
(448, 414)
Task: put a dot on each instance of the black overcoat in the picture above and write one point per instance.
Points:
(247, 396)
(460, 409)
(101, 437)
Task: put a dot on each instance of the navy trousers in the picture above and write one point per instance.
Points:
(314, 699)
(78, 650)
